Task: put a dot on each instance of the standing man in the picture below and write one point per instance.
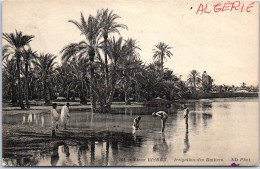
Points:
(54, 119)
(186, 114)
(163, 115)
(64, 117)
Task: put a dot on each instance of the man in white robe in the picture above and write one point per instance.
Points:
(64, 116)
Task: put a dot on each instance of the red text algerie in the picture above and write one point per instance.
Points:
(225, 6)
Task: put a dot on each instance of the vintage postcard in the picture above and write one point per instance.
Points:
(130, 83)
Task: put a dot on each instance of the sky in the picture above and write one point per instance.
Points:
(225, 44)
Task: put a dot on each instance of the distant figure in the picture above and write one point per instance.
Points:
(54, 119)
(42, 118)
(163, 115)
(186, 114)
(64, 117)
(136, 123)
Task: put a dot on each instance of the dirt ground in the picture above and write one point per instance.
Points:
(23, 141)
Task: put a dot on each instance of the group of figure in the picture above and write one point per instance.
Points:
(63, 117)
(163, 116)
(57, 118)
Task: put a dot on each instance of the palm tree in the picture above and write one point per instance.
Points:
(243, 85)
(44, 66)
(9, 80)
(130, 66)
(28, 56)
(88, 48)
(161, 51)
(206, 82)
(117, 52)
(64, 78)
(108, 25)
(16, 42)
(182, 88)
(72, 78)
(194, 79)
(80, 81)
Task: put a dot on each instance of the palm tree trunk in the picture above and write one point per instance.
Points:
(67, 93)
(111, 94)
(92, 78)
(26, 85)
(137, 92)
(106, 62)
(102, 103)
(162, 65)
(83, 99)
(19, 83)
(194, 85)
(46, 92)
(127, 100)
(49, 94)
(13, 94)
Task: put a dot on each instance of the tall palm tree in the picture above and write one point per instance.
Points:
(9, 80)
(194, 79)
(161, 51)
(44, 66)
(107, 19)
(130, 66)
(16, 42)
(28, 55)
(91, 29)
(117, 52)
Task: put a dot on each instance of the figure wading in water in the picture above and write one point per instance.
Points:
(136, 123)
(163, 115)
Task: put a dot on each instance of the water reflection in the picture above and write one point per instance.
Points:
(199, 105)
(186, 140)
(82, 155)
(92, 148)
(206, 117)
(181, 139)
(34, 118)
(107, 153)
(193, 119)
(23, 119)
(42, 120)
(30, 118)
(66, 150)
(55, 155)
(161, 146)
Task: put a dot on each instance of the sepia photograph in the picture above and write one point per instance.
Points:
(130, 83)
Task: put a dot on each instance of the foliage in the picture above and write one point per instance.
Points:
(99, 68)
(14, 49)
(44, 72)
